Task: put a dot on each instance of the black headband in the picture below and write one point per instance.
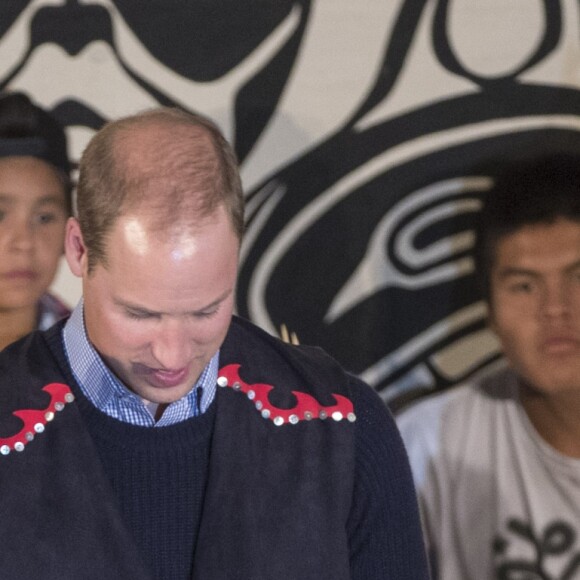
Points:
(35, 147)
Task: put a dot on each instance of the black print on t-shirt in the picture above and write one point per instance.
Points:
(557, 539)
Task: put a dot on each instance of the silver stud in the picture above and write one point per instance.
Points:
(69, 397)
(308, 415)
(29, 436)
(259, 405)
(59, 406)
(278, 421)
(222, 381)
(251, 395)
(237, 386)
(49, 415)
(337, 416)
(19, 446)
(5, 450)
(323, 414)
(266, 413)
(351, 417)
(293, 419)
(39, 427)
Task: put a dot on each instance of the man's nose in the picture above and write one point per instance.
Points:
(556, 300)
(172, 347)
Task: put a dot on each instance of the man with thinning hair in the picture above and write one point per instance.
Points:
(155, 435)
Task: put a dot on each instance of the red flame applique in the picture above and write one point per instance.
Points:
(35, 420)
(306, 408)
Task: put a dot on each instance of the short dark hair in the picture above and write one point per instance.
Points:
(538, 190)
(27, 129)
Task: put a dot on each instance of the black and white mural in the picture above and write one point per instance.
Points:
(367, 134)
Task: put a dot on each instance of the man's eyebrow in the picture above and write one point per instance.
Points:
(135, 307)
(51, 198)
(216, 302)
(516, 271)
(144, 310)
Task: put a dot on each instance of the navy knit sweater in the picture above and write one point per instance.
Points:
(159, 477)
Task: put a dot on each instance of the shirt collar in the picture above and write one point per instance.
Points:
(109, 394)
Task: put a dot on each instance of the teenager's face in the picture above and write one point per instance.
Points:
(535, 304)
(32, 224)
(160, 309)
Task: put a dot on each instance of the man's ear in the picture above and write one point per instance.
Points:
(75, 249)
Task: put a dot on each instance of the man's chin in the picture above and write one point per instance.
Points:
(163, 396)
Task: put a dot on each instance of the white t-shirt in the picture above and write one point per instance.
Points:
(496, 500)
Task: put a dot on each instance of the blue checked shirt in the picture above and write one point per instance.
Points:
(109, 395)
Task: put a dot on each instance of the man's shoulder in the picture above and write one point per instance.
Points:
(263, 353)
(243, 334)
(433, 425)
(493, 386)
(26, 366)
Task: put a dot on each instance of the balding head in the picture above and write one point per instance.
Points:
(173, 168)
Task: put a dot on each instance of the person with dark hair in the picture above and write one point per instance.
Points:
(496, 461)
(34, 207)
(155, 435)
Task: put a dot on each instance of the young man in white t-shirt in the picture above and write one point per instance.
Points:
(496, 462)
